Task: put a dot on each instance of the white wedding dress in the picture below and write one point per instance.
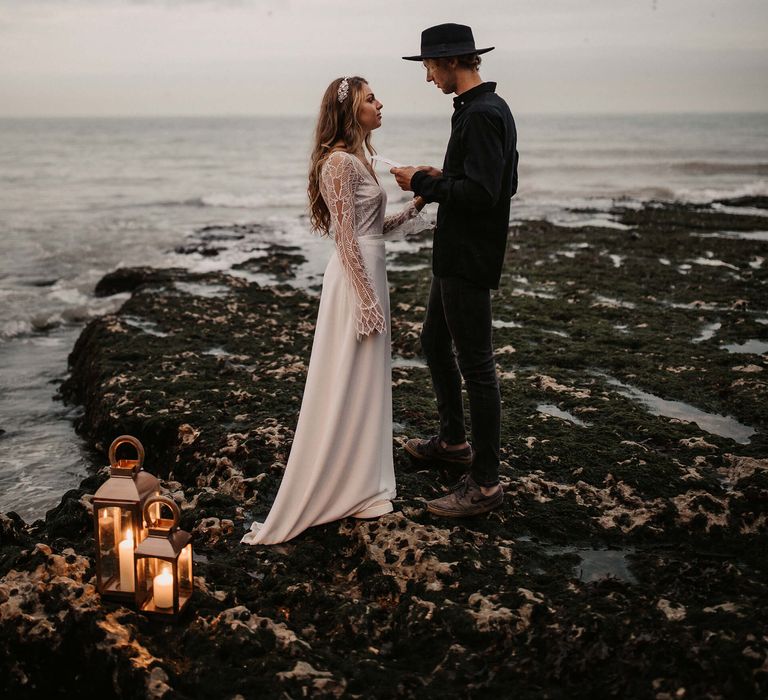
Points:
(341, 461)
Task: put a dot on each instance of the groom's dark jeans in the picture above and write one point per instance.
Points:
(459, 314)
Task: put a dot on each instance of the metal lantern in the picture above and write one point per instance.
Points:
(163, 562)
(118, 508)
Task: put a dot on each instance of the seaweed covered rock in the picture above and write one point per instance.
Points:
(627, 559)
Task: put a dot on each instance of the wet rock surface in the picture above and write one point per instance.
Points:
(628, 559)
(278, 260)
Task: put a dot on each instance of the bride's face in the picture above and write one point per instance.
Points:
(369, 114)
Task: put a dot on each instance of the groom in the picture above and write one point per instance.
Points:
(474, 189)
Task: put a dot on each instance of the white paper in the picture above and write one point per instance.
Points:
(387, 161)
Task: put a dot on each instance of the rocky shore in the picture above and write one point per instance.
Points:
(628, 559)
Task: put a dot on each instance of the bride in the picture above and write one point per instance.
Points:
(341, 460)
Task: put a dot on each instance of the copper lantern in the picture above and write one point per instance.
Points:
(118, 509)
(163, 562)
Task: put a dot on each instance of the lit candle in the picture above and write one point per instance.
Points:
(109, 529)
(106, 528)
(126, 562)
(162, 589)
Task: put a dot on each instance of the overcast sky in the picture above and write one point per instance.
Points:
(167, 57)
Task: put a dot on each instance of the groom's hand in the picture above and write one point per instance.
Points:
(403, 177)
(429, 170)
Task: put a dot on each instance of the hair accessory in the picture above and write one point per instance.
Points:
(343, 90)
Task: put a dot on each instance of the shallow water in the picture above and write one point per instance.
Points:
(752, 347)
(736, 235)
(506, 324)
(739, 211)
(549, 409)
(198, 289)
(713, 262)
(617, 260)
(397, 267)
(618, 303)
(601, 563)
(417, 362)
(519, 291)
(575, 220)
(148, 327)
(707, 332)
(725, 426)
(41, 457)
(598, 564)
(217, 352)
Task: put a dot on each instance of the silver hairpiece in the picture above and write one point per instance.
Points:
(343, 89)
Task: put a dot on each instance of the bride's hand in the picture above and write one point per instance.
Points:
(429, 170)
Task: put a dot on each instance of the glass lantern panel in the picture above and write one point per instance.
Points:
(146, 567)
(108, 520)
(158, 582)
(185, 572)
(125, 548)
(141, 578)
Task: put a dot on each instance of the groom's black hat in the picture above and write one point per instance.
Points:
(447, 40)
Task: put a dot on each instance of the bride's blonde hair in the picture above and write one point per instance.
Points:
(337, 122)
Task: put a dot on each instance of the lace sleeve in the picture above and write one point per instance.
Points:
(339, 180)
(394, 220)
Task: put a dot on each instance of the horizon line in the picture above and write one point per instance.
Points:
(304, 115)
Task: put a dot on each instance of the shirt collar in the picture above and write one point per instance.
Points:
(472, 93)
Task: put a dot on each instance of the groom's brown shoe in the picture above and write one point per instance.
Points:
(466, 500)
(432, 452)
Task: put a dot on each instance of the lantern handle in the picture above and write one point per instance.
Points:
(126, 440)
(166, 501)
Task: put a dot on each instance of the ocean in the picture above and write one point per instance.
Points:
(81, 197)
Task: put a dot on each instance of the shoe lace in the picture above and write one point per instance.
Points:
(462, 486)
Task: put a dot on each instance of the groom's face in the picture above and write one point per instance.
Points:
(441, 73)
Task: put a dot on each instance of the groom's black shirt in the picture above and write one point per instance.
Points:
(478, 181)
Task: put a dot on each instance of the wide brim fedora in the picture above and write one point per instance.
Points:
(445, 40)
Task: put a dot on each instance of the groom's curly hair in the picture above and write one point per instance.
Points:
(467, 60)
